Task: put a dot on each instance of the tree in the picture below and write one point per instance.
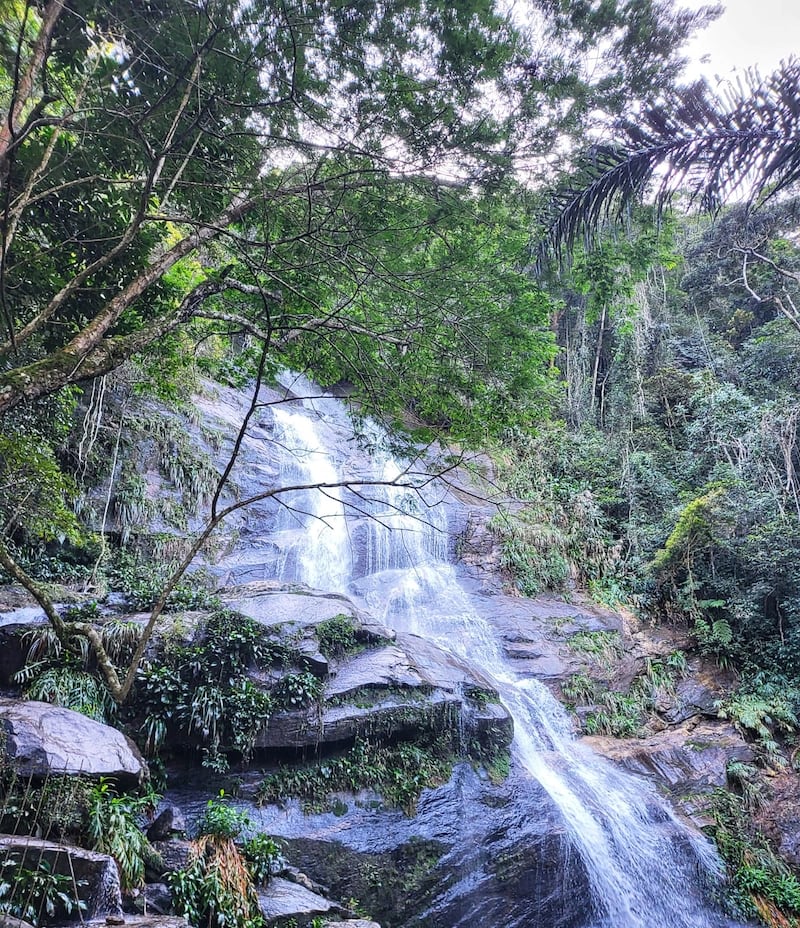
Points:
(330, 178)
(712, 146)
(138, 138)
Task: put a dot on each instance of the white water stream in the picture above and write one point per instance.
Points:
(646, 870)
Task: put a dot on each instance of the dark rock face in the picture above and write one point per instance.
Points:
(474, 855)
(174, 855)
(43, 740)
(284, 899)
(12, 652)
(154, 899)
(101, 894)
(168, 823)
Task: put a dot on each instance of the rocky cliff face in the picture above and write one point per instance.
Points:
(478, 842)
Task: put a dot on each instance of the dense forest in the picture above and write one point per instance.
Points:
(518, 236)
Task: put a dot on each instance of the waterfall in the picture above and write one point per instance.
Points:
(645, 868)
(312, 523)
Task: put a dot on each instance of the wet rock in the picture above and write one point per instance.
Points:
(154, 899)
(169, 823)
(779, 815)
(383, 667)
(284, 899)
(391, 717)
(152, 921)
(351, 923)
(689, 758)
(392, 691)
(101, 892)
(272, 603)
(315, 661)
(694, 696)
(534, 632)
(473, 855)
(173, 855)
(11, 921)
(480, 551)
(44, 740)
(302, 879)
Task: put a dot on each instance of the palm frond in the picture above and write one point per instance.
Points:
(710, 146)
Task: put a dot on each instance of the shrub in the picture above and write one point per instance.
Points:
(337, 636)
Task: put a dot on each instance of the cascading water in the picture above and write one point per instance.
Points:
(316, 547)
(644, 868)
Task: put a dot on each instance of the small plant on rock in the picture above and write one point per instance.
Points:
(298, 690)
(35, 894)
(337, 636)
(218, 887)
(112, 829)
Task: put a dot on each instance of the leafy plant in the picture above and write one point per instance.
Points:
(297, 690)
(222, 820)
(264, 857)
(763, 887)
(337, 636)
(34, 894)
(202, 689)
(764, 706)
(218, 887)
(72, 689)
(580, 689)
(398, 772)
(605, 647)
(112, 829)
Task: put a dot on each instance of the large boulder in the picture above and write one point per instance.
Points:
(285, 899)
(394, 691)
(95, 875)
(41, 740)
(691, 757)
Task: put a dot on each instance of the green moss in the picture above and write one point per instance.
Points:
(337, 636)
(398, 772)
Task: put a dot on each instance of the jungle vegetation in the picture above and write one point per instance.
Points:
(517, 230)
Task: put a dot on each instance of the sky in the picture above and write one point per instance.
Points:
(749, 32)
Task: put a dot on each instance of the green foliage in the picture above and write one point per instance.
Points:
(337, 636)
(143, 580)
(762, 886)
(298, 690)
(621, 715)
(215, 889)
(764, 706)
(398, 772)
(37, 496)
(201, 690)
(616, 713)
(218, 887)
(54, 809)
(580, 689)
(112, 829)
(562, 534)
(70, 679)
(604, 647)
(222, 820)
(264, 856)
(72, 689)
(37, 893)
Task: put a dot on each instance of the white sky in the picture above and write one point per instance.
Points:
(749, 32)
